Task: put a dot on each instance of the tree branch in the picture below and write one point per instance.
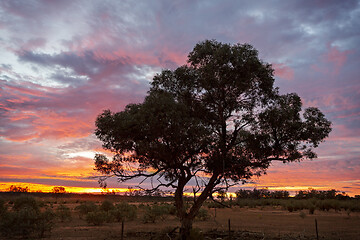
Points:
(220, 203)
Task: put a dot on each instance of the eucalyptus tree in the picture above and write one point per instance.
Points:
(209, 124)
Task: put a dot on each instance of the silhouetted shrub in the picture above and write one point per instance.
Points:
(26, 220)
(106, 206)
(261, 194)
(312, 209)
(45, 222)
(290, 207)
(203, 215)
(63, 213)
(124, 212)
(96, 218)
(154, 213)
(2, 206)
(324, 205)
(85, 208)
(25, 201)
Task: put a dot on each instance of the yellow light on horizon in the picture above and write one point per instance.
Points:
(33, 187)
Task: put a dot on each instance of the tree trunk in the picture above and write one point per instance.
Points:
(187, 217)
(185, 229)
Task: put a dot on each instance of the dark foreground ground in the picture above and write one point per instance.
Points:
(246, 223)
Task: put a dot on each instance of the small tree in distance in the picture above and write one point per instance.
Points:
(215, 122)
(58, 190)
(14, 188)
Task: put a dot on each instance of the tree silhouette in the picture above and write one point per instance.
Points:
(58, 190)
(212, 123)
(14, 188)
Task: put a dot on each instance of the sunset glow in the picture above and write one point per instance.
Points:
(48, 188)
(63, 62)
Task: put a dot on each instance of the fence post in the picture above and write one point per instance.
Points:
(229, 229)
(316, 228)
(122, 230)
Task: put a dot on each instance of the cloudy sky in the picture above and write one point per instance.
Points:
(63, 62)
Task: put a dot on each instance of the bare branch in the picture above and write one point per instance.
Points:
(220, 203)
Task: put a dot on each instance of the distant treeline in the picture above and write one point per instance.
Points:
(302, 194)
(240, 194)
(261, 193)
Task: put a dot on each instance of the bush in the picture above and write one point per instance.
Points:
(290, 207)
(355, 206)
(26, 220)
(323, 205)
(106, 206)
(2, 207)
(85, 208)
(97, 218)
(312, 209)
(124, 212)
(203, 215)
(63, 213)
(45, 222)
(155, 212)
(25, 201)
(19, 223)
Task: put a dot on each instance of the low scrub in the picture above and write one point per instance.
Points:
(124, 212)
(86, 207)
(156, 212)
(97, 218)
(63, 213)
(26, 220)
(203, 215)
(106, 206)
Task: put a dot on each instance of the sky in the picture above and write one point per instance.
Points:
(63, 62)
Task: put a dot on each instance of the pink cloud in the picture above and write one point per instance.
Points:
(337, 58)
(332, 61)
(283, 71)
(33, 44)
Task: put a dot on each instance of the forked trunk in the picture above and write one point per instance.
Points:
(186, 226)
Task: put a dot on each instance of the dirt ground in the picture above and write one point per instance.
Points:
(245, 223)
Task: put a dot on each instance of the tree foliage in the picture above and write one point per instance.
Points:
(58, 190)
(216, 121)
(328, 194)
(261, 194)
(14, 188)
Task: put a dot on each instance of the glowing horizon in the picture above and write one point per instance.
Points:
(4, 187)
(68, 189)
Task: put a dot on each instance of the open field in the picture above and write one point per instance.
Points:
(270, 222)
(266, 222)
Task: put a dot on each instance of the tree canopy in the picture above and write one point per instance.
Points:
(213, 122)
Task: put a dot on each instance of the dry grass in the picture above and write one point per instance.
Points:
(246, 223)
(269, 222)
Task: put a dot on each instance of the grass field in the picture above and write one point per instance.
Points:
(255, 222)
